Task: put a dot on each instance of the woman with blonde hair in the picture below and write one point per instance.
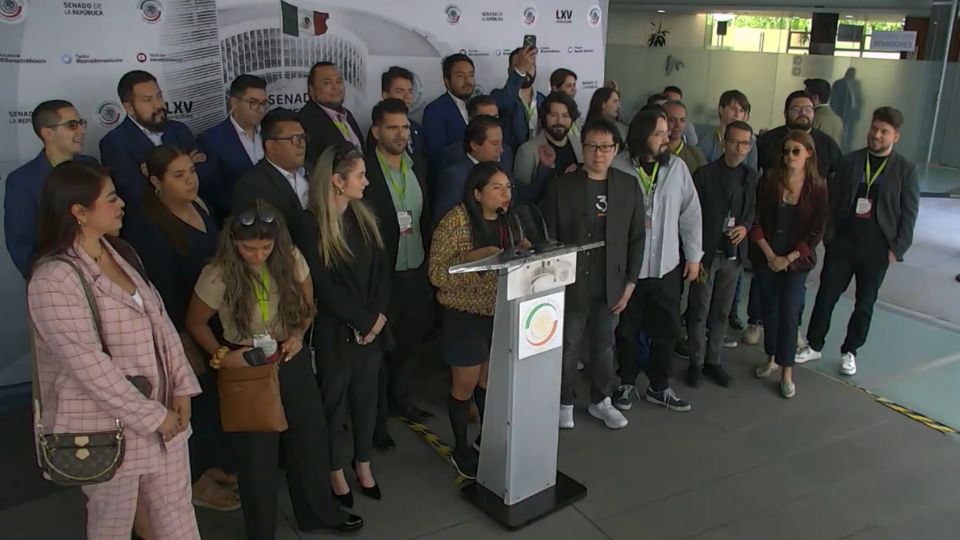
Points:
(353, 292)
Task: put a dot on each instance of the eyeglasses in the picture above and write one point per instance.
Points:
(72, 125)
(296, 140)
(788, 151)
(256, 105)
(603, 148)
(801, 110)
(263, 215)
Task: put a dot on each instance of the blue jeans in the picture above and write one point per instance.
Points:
(783, 294)
(755, 307)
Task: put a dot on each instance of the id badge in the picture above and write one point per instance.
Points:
(648, 217)
(731, 223)
(405, 220)
(265, 342)
(864, 207)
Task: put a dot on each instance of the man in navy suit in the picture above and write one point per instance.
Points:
(518, 100)
(60, 128)
(397, 83)
(325, 119)
(482, 141)
(233, 146)
(478, 105)
(445, 117)
(125, 148)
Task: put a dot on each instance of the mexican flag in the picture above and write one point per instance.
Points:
(302, 22)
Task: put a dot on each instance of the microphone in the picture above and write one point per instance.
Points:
(548, 242)
(502, 216)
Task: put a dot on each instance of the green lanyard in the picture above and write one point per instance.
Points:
(342, 126)
(263, 295)
(648, 181)
(676, 152)
(400, 189)
(530, 109)
(873, 178)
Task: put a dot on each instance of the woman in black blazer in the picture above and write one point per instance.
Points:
(353, 291)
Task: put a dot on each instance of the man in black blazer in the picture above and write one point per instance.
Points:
(874, 200)
(397, 82)
(398, 195)
(325, 119)
(727, 189)
(596, 203)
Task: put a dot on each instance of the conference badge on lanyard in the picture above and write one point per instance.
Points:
(264, 340)
(864, 206)
(649, 186)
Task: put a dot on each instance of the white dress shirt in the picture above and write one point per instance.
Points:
(155, 137)
(253, 147)
(298, 181)
(462, 106)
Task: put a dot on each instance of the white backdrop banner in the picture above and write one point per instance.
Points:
(78, 51)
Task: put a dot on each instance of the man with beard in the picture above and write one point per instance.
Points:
(677, 123)
(397, 82)
(874, 200)
(125, 148)
(59, 126)
(445, 118)
(519, 102)
(325, 119)
(553, 152)
(672, 219)
(233, 146)
(798, 112)
(398, 195)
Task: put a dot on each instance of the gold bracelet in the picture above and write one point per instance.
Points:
(217, 361)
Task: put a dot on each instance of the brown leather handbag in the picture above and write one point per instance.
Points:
(250, 399)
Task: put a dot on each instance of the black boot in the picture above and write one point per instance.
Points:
(464, 458)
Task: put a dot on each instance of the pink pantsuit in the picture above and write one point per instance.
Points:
(84, 390)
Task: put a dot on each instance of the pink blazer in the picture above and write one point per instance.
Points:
(82, 388)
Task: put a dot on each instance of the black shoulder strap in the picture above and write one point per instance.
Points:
(129, 254)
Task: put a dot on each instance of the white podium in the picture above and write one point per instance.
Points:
(517, 480)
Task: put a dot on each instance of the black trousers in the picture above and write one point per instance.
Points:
(655, 309)
(306, 458)
(347, 374)
(782, 294)
(846, 260)
(410, 314)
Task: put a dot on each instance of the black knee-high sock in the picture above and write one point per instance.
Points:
(459, 417)
(480, 398)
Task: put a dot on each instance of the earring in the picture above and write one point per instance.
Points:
(157, 191)
(81, 223)
(339, 191)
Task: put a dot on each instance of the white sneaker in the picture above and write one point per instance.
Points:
(566, 417)
(751, 336)
(612, 418)
(848, 364)
(807, 354)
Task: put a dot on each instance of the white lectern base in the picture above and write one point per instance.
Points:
(565, 492)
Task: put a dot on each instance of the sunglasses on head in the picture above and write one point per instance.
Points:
(795, 151)
(250, 217)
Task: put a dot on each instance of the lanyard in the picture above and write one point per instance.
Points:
(388, 173)
(530, 109)
(263, 295)
(676, 152)
(873, 178)
(648, 182)
(344, 130)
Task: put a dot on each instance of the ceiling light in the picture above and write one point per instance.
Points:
(848, 16)
(661, 11)
(723, 17)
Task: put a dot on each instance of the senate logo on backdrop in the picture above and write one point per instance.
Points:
(529, 16)
(12, 11)
(108, 113)
(453, 14)
(151, 10)
(594, 16)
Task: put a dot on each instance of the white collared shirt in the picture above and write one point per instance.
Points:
(462, 106)
(254, 148)
(298, 181)
(533, 115)
(155, 138)
(473, 159)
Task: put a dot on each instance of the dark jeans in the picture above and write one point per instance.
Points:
(709, 308)
(588, 329)
(844, 262)
(782, 294)
(348, 379)
(410, 314)
(755, 308)
(209, 445)
(655, 309)
(305, 455)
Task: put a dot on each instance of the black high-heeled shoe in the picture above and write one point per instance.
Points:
(371, 492)
(346, 500)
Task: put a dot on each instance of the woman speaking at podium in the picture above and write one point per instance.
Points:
(475, 229)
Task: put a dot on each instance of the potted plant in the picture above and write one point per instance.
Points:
(657, 38)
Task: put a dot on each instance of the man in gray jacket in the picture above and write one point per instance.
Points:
(554, 152)
(671, 216)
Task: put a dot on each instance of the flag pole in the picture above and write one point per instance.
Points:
(282, 63)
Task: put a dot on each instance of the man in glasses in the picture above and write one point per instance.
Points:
(126, 147)
(673, 221)
(324, 117)
(596, 204)
(61, 130)
(677, 123)
(727, 192)
(798, 111)
(554, 152)
(235, 145)
(874, 200)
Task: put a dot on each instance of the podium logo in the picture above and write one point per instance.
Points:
(151, 10)
(594, 16)
(541, 324)
(12, 11)
(109, 113)
(453, 14)
(529, 16)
